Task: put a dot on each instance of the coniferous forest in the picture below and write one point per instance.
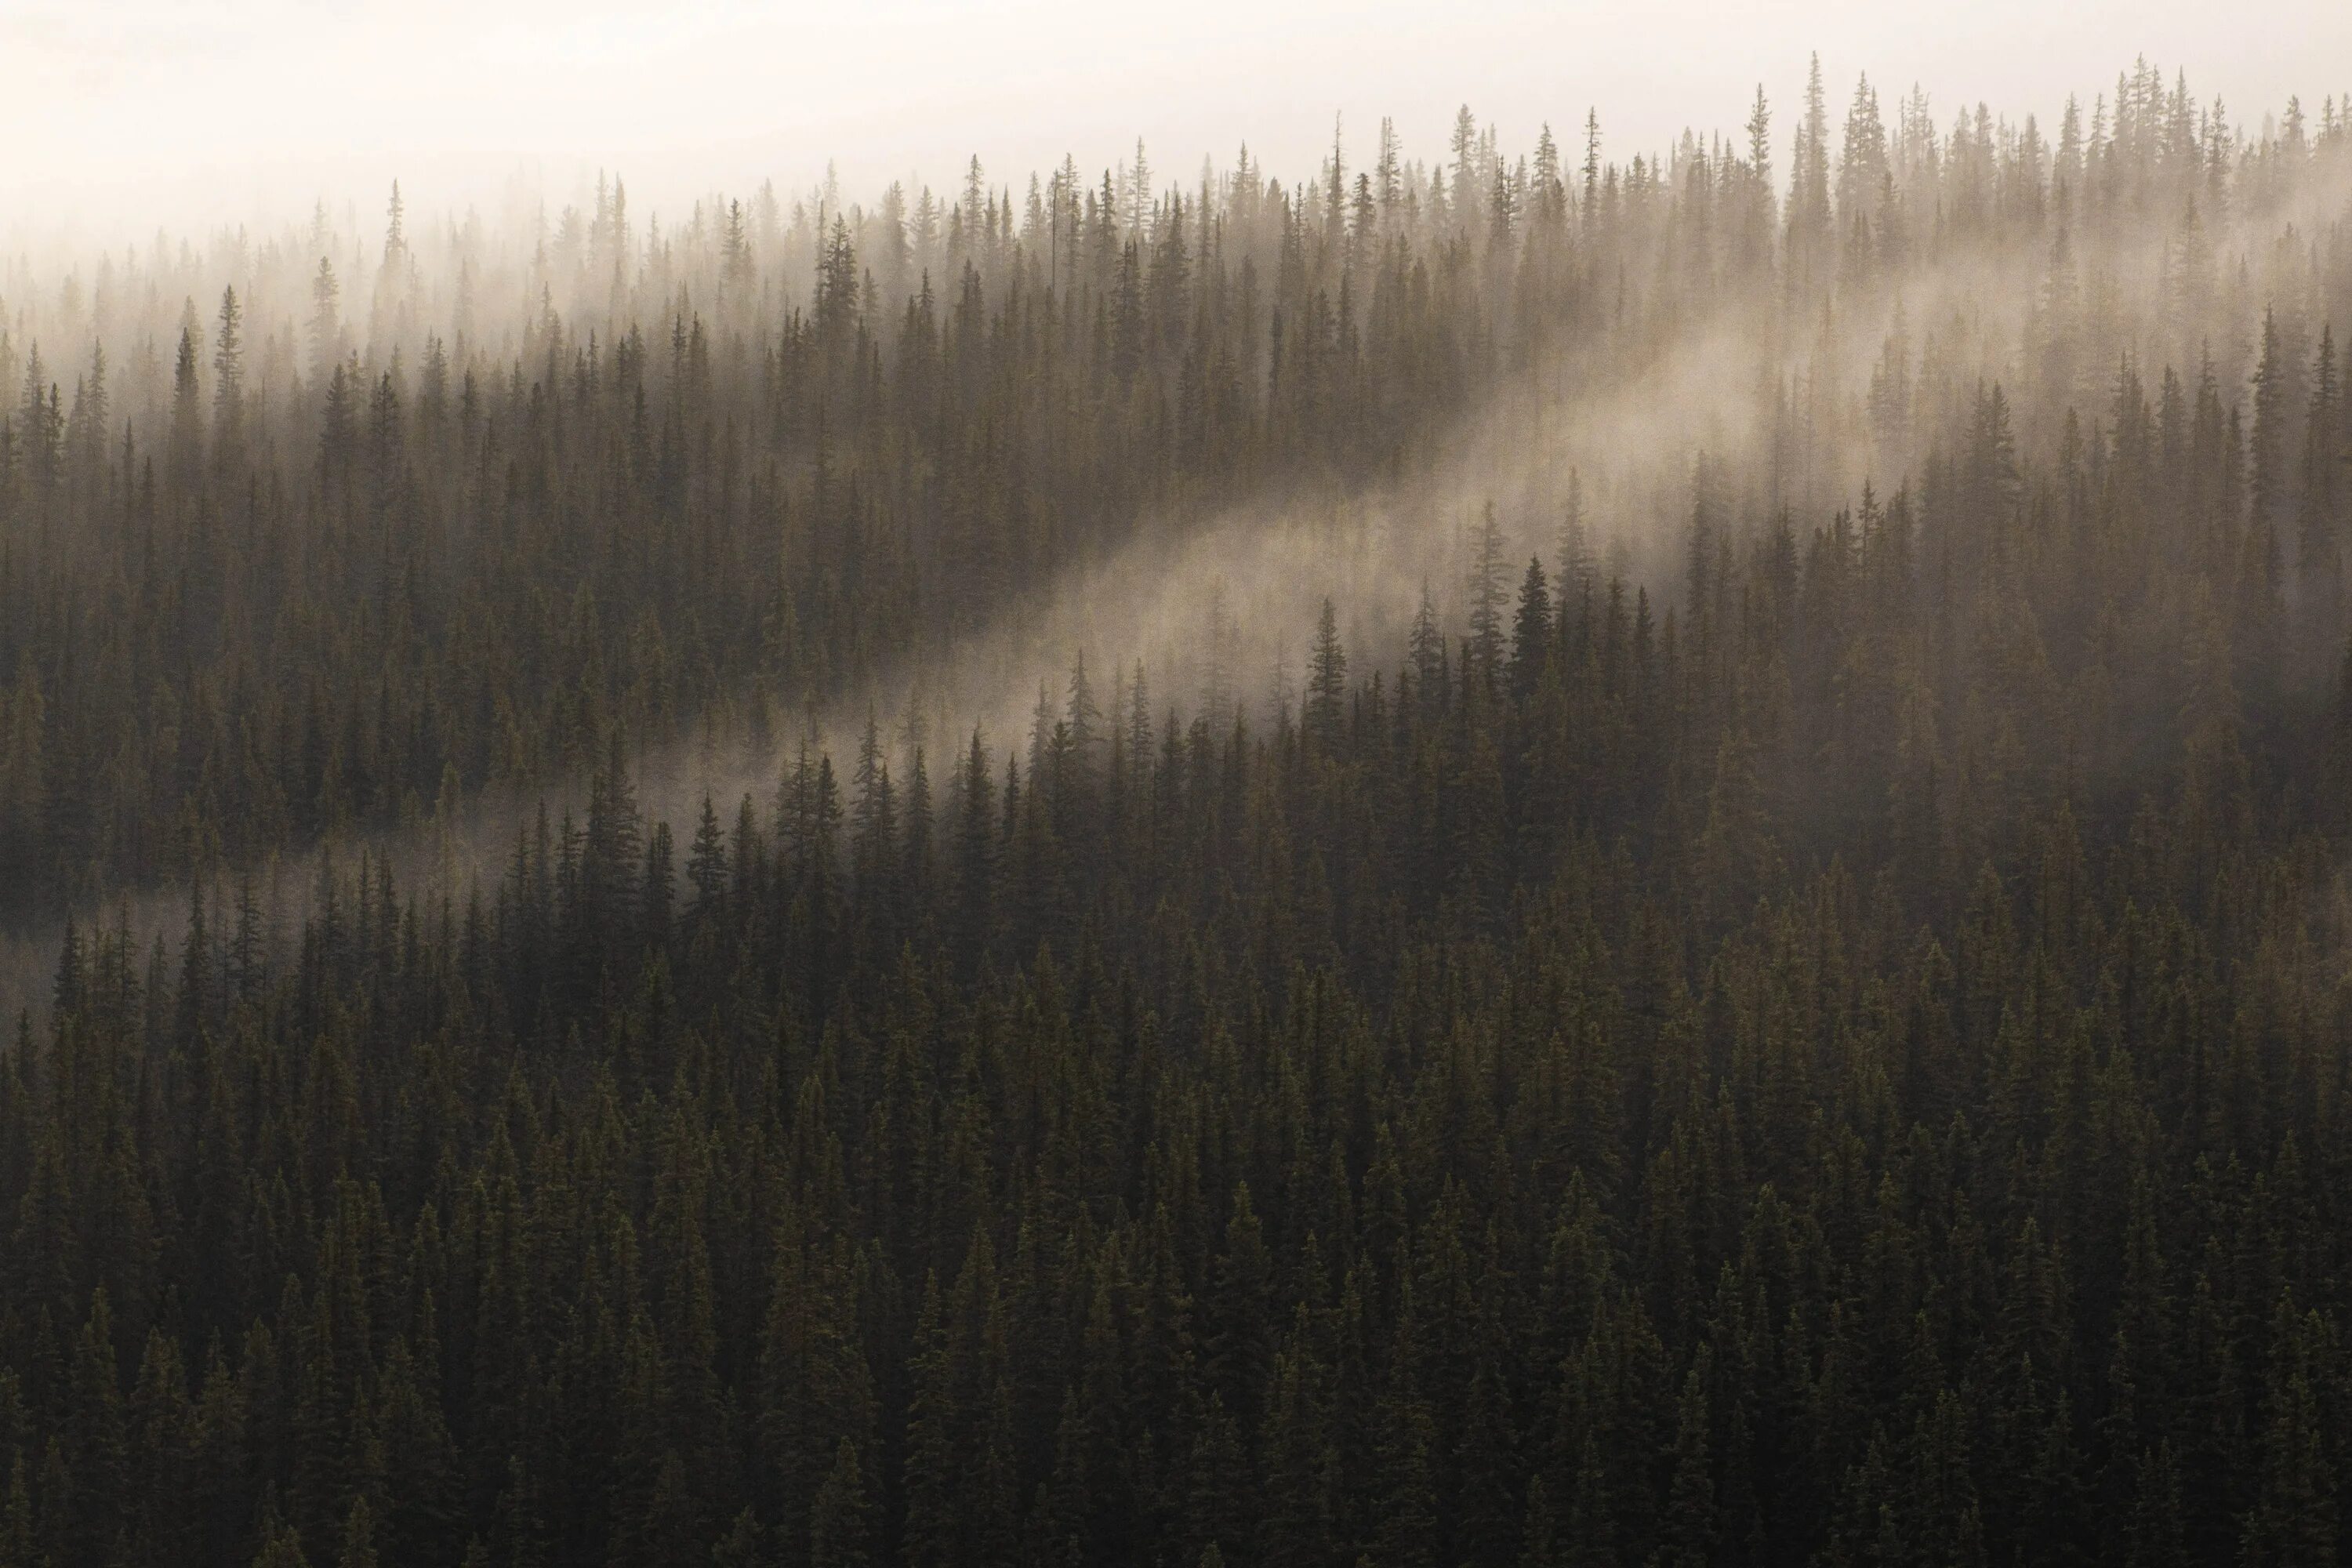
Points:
(1696, 913)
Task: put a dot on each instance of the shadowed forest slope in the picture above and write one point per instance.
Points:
(1678, 895)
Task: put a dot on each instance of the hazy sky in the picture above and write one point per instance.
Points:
(169, 108)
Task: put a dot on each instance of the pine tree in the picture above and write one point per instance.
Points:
(1326, 682)
(1487, 591)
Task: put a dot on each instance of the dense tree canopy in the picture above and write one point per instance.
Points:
(1832, 1050)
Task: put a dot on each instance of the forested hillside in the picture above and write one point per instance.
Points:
(1795, 1009)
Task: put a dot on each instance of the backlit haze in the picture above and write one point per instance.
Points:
(199, 111)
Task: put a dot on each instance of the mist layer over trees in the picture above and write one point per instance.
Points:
(1693, 909)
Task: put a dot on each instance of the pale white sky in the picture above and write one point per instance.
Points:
(169, 110)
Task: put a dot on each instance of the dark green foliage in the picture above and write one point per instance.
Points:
(1862, 1213)
(1847, 1064)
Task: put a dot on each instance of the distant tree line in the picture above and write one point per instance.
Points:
(279, 567)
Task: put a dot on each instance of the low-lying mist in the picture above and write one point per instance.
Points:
(1685, 381)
